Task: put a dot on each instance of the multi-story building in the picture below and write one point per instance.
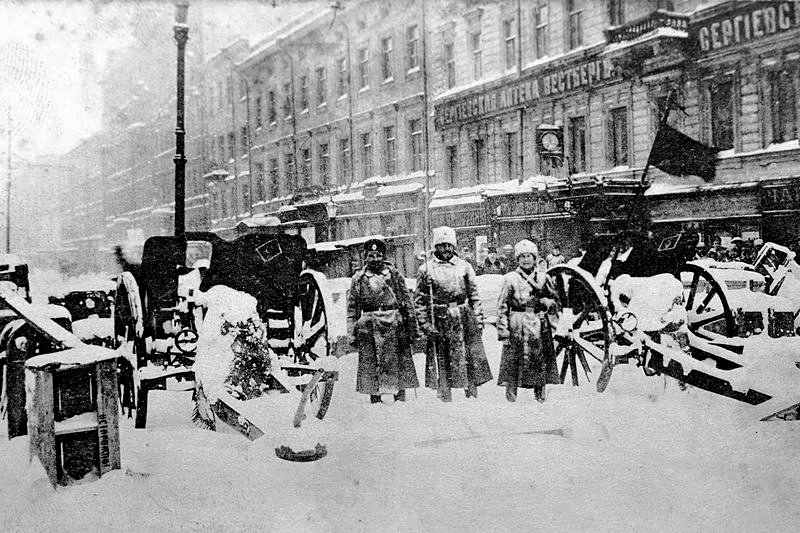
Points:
(540, 116)
(598, 74)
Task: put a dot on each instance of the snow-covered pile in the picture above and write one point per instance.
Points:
(655, 301)
(93, 328)
(215, 355)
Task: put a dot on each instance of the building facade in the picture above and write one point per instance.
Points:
(538, 123)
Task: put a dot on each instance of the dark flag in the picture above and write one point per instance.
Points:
(680, 155)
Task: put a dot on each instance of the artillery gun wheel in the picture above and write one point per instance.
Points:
(582, 331)
(128, 330)
(705, 301)
(309, 339)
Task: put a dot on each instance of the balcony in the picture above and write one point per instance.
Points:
(654, 23)
(648, 44)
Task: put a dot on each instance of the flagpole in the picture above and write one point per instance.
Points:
(640, 188)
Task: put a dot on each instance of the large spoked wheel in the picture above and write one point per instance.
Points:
(705, 301)
(309, 339)
(128, 332)
(582, 331)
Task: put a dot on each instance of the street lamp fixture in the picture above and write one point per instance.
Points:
(331, 207)
(181, 30)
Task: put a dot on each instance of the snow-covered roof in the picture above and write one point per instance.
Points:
(655, 34)
(389, 190)
(461, 200)
(260, 221)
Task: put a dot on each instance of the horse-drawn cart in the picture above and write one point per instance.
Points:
(160, 310)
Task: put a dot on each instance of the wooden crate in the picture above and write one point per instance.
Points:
(73, 417)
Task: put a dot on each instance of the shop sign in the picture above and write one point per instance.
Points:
(750, 22)
(379, 205)
(780, 197)
(562, 79)
(528, 208)
(460, 219)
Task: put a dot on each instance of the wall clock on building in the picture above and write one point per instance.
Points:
(551, 142)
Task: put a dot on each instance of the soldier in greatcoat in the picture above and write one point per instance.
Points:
(382, 325)
(528, 358)
(455, 352)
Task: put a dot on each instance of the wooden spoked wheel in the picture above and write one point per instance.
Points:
(309, 321)
(582, 329)
(128, 332)
(705, 301)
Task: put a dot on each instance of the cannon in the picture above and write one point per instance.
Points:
(159, 311)
(728, 328)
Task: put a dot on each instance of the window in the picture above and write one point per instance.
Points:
(618, 136)
(324, 158)
(220, 93)
(288, 168)
(259, 112)
(415, 128)
(322, 81)
(616, 12)
(242, 88)
(782, 106)
(479, 159)
(261, 187)
(541, 19)
(412, 49)
(274, 179)
(231, 145)
(272, 112)
(451, 159)
(221, 148)
(245, 189)
(387, 46)
(366, 155)
(344, 160)
(304, 93)
(575, 24)
(229, 90)
(477, 56)
(245, 140)
(722, 115)
(223, 208)
(577, 145)
(363, 68)
(511, 154)
(305, 168)
(389, 150)
(287, 100)
(510, 43)
(341, 79)
(450, 65)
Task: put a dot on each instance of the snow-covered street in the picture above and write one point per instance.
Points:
(644, 456)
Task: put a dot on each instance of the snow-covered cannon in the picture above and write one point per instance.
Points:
(161, 308)
(692, 329)
(90, 302)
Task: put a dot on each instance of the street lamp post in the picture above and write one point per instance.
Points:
(181, 36)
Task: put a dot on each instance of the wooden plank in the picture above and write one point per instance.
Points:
(107, 416)
(41, 424)
(41, 322)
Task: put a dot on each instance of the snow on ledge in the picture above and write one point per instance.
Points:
(80, 356)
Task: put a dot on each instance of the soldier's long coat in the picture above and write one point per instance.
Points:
(461, 344)
(383, 337)
(528, 359)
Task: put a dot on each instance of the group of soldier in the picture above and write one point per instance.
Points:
(384, 319)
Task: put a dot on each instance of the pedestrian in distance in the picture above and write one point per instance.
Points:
(555, 257)
(382, 326)
(467, 256)
(493, 264)
(452, 320)
(507, 258)
(528, 359)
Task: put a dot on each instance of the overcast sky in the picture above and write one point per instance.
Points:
(52, 55)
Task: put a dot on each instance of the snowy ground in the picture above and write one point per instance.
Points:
(644, 456)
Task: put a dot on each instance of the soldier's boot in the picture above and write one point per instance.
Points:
(539, 392)
(511, 393)
(375, 398)
(471, 391)
(400, 396)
